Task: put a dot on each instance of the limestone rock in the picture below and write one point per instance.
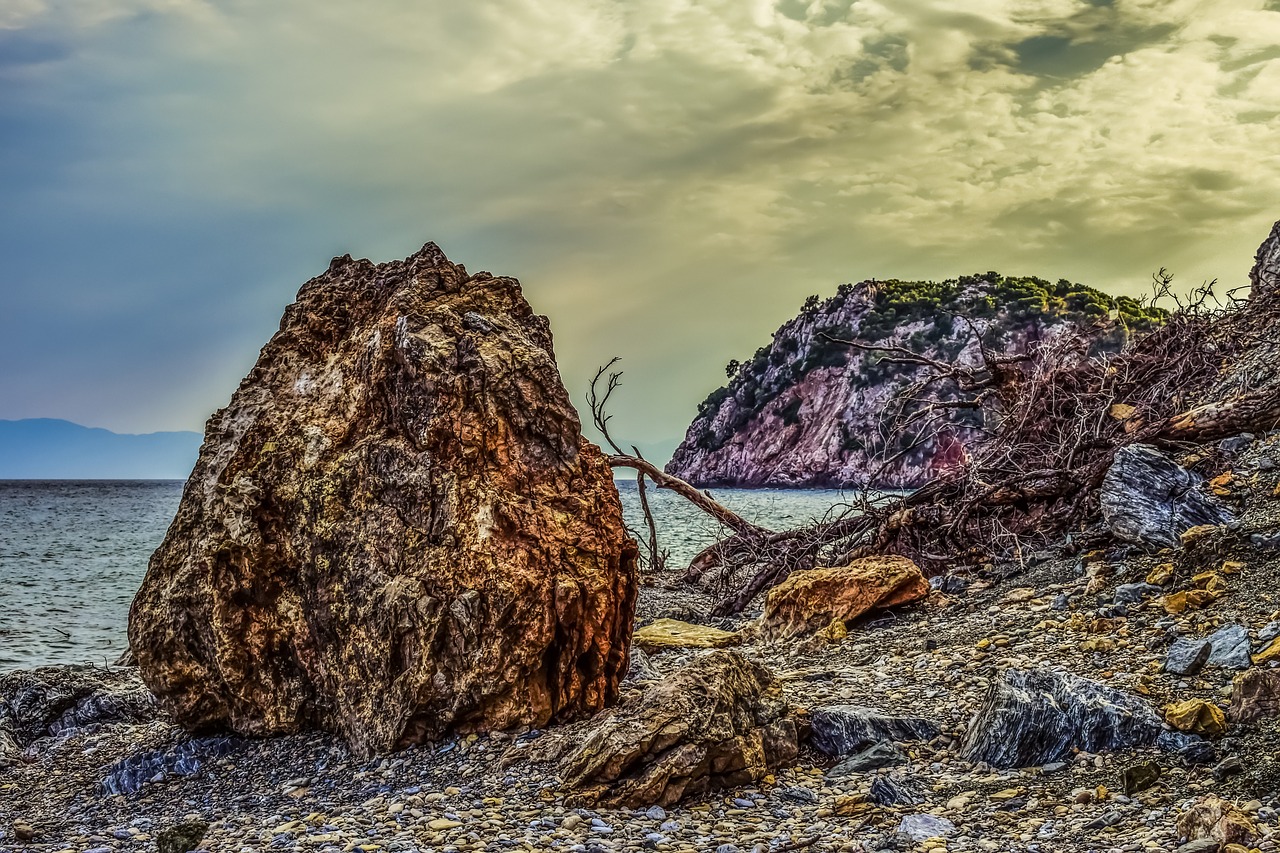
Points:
(1150, 500)
(1196, 716)
(1035, 717)
(809, 601)
(840, 730)
(717, 722)
(50, 700)
(1255, 695)
(674, 634)
(395, 528)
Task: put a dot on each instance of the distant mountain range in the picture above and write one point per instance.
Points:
(49, 449)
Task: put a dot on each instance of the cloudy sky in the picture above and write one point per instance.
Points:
(669, 178)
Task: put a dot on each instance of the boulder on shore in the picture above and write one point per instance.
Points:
(810, 600)
(395, 528)
(1150, 500)
(718, 722)
(1039, 716)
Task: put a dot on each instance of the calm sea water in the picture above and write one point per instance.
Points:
(73, 553)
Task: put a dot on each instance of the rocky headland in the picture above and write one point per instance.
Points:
(809, 411)
(398, 611)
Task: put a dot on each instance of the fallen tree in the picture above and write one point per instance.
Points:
(1055, 415)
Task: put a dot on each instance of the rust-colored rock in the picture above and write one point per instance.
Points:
(718, 722)
(1255, 695)
(395, 528)
(809, 601)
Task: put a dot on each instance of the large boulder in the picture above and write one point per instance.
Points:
(718, 722)
(395, 528)
(811, 600)
(1150, 500)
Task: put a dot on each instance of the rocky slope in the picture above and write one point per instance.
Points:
(808, 412)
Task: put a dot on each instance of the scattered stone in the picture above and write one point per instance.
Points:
(1268, 654)
(1187, 656)
(1271, 630)
(717, 722)
(1201, 845)
(922, 827)
(882, 754)
(1215, 818)
(844, 729)
(800, 795)
(1139, 777)
(1255, 695)
(1230, 647)
(1133, 593)
(808, 601)
(1150, 500)
(674, 634)
(1161, 575)
(1229, 766)
(182, 837)
(1191, 749)
(1035, 717)
(888, 792)
(1196, 716)
(23, 831)
(398, 497)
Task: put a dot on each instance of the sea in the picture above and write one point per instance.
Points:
(72, 553)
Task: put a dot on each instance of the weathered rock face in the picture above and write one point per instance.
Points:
(50, 700)
(1036, 717)
(395, 528)
(811, 600)
(719, 721)
(1150, 500)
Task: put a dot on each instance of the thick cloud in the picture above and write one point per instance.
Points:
(670, 178)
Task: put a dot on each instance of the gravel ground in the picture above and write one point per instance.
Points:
(306, 793)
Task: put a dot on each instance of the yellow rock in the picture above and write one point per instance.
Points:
(836, 631)
(1122, 411)
(1270, 653)
(1197, 532)
(1221, 484)
(1192, 599)
(442, 823)
(674, 634)
(852, 804)
(1161, 574)
(1209, 582)
(1232, 567)
(1197, 717)
(1007, 794)
(1098, 644)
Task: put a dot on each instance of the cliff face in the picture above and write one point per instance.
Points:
(808, 412)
